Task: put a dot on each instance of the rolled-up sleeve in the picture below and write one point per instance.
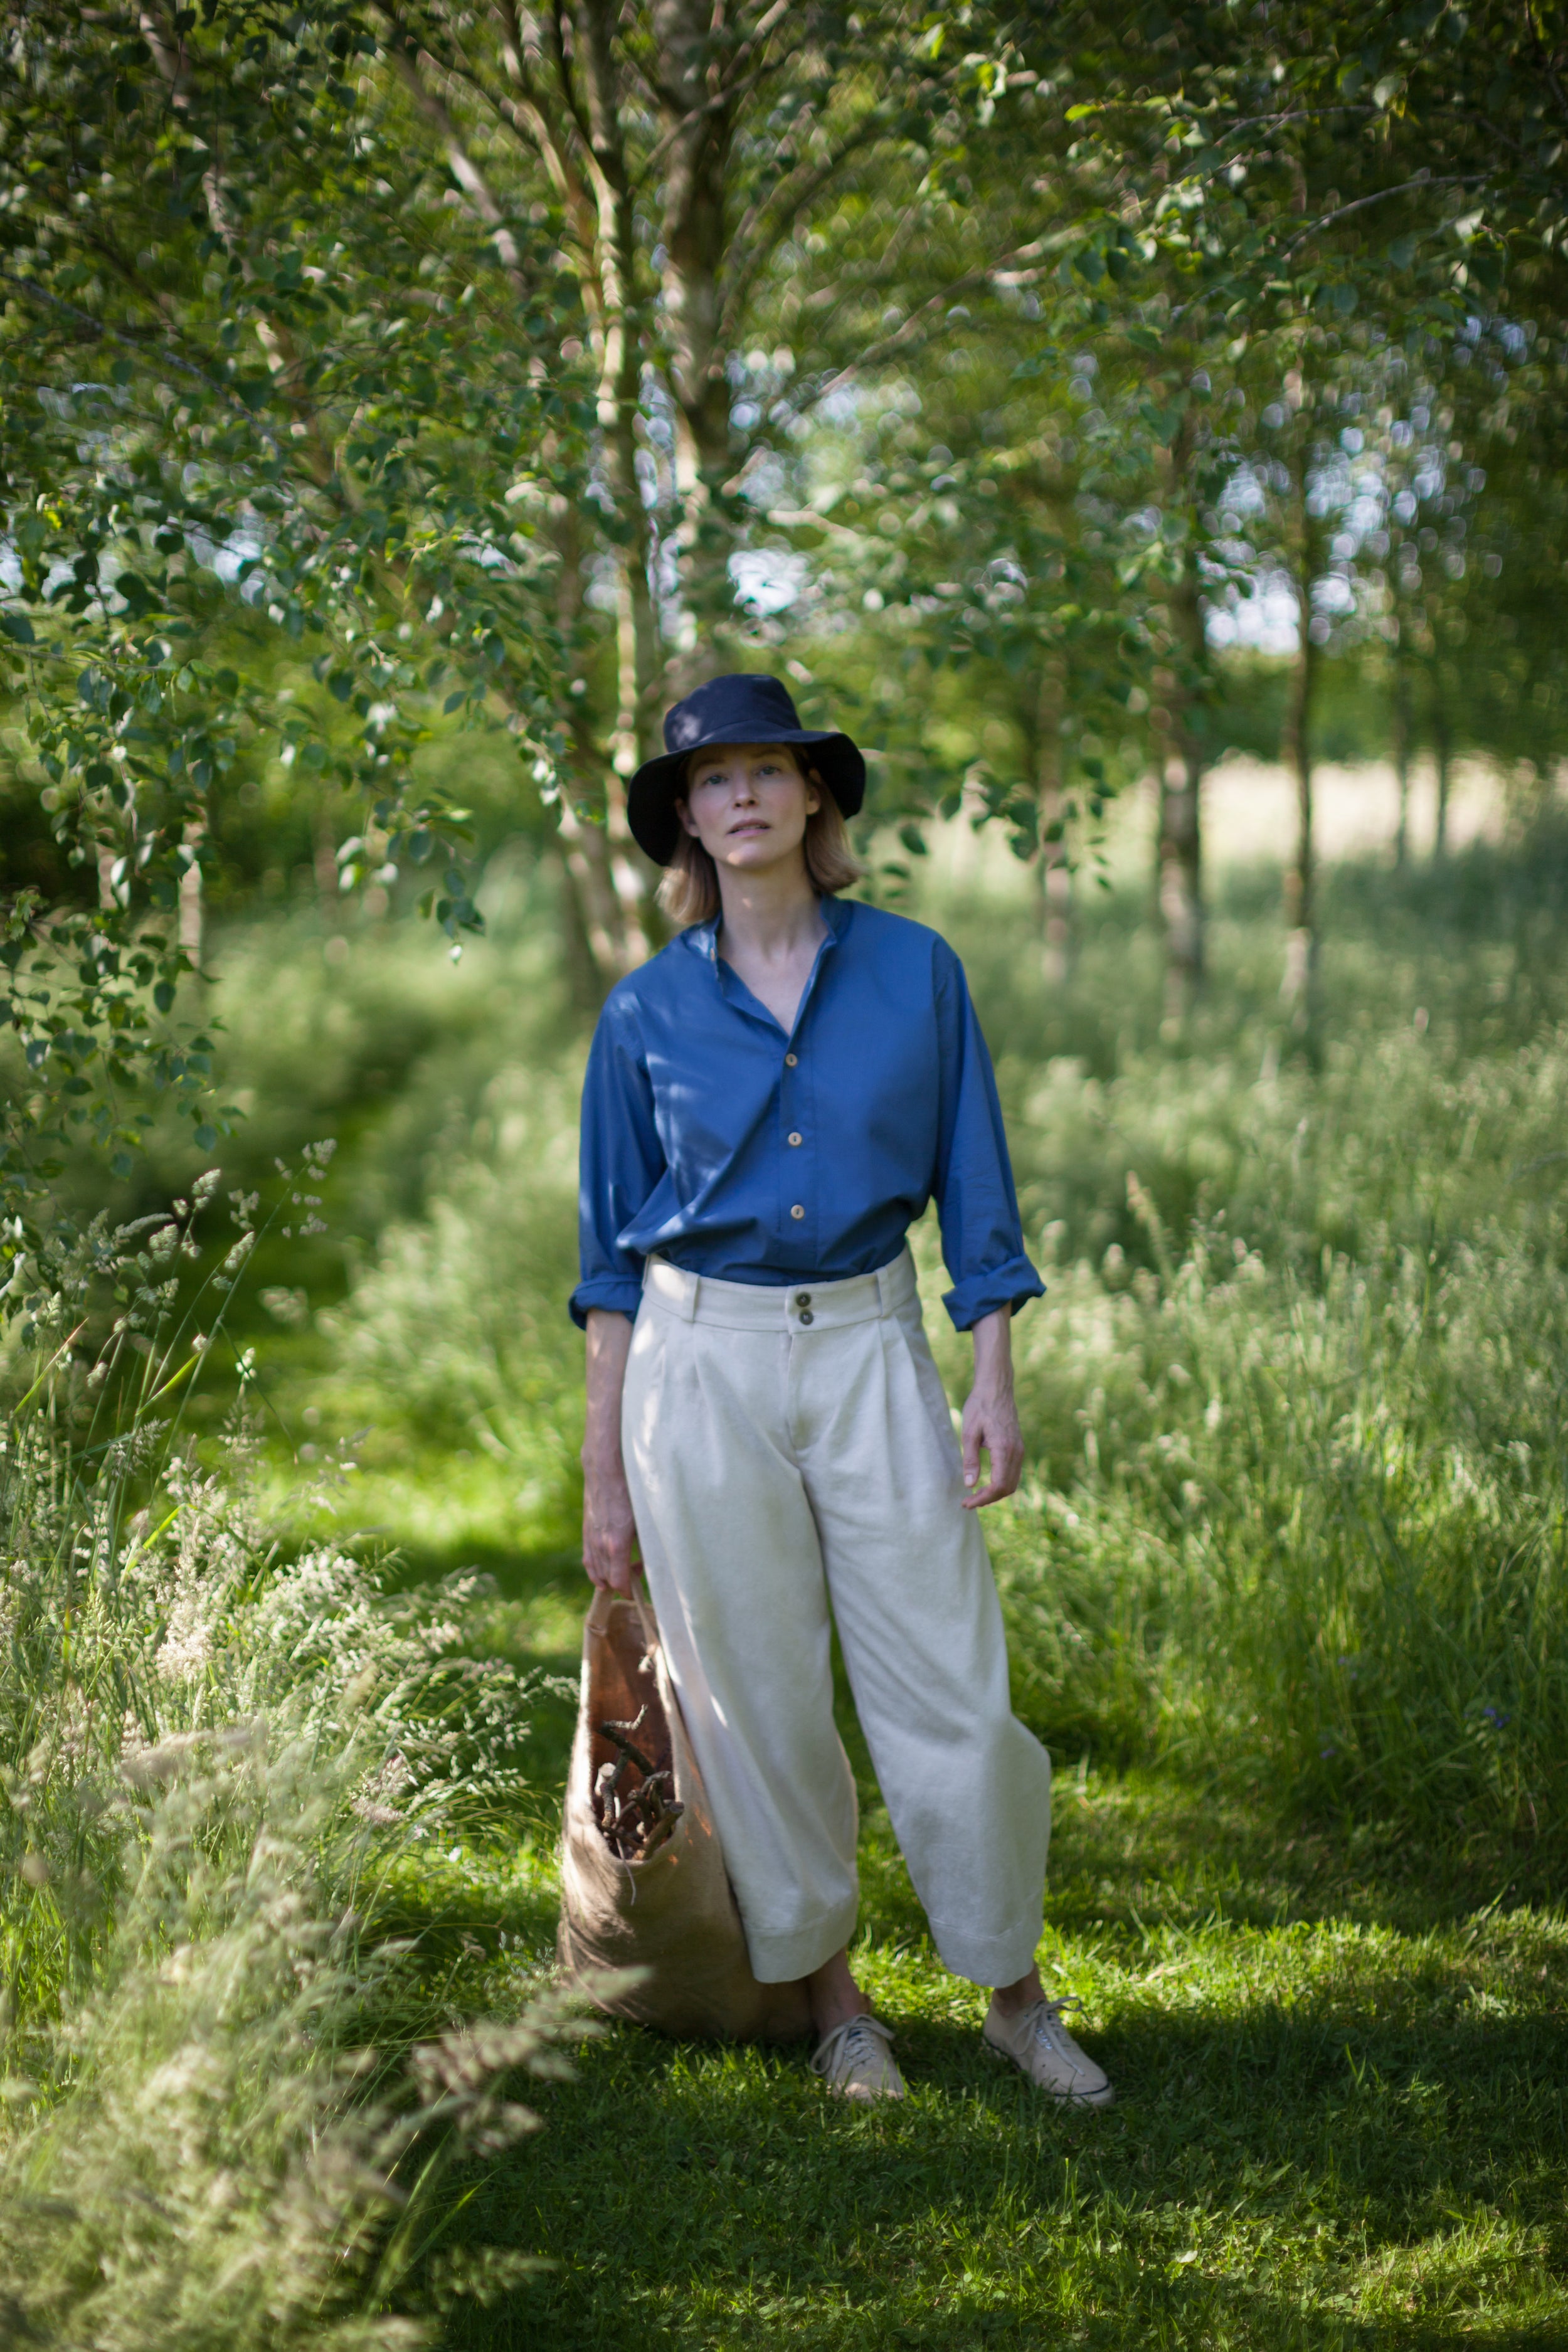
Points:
(981, 1234)
(620, 1162)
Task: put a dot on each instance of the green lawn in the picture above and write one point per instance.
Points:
(1342, 2115)
(1293, 1546)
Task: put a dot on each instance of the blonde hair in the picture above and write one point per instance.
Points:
(690, 890)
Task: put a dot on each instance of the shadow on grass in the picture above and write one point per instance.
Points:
(1342, 2118)
(1332, 2132)
(1258, 2171)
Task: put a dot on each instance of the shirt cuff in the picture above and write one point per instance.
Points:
(620, 1293)
(1012, 1284)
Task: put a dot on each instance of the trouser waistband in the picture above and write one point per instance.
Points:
(805, 1305)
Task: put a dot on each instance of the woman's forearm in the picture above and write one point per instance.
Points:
(609, 1529)
(609, 1345)
(992, 1338)
(990, 1417)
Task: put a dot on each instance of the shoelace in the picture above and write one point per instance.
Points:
(848, 2045)
(1045, 2016)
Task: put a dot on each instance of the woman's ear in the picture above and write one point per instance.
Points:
(683, 811)
(813, 792)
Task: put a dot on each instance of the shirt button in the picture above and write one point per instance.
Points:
(791, 1060)
(793, 1139)
(797, 1210)
(806, 1316)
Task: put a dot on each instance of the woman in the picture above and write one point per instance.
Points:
(770, 1103)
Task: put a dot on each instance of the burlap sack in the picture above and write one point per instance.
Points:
(674, 1915)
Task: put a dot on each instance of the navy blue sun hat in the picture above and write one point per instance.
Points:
(746, 707)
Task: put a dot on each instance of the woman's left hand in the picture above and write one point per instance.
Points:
(990, 1416)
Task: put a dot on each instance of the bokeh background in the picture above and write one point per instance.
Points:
(1143, 431)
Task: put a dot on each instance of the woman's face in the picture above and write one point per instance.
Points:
(747, 803)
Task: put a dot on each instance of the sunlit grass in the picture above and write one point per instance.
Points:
(1334, 2126)
(1288, 1595)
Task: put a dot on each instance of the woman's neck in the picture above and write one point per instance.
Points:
(769, 915)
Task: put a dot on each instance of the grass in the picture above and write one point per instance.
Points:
(1298, 1507)
(234, 2091)
(1287, 1594)
(1341, 2121)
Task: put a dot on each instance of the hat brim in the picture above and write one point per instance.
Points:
(654, 790)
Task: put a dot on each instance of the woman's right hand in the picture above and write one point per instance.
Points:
(609, 1531)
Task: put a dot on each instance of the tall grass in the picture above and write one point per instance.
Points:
(1294, 1401)
(1317, 1531)
(231, 2104)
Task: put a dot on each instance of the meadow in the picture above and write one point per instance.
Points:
(289, 1655)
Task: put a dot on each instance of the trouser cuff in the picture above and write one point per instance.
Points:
(779, 1958)
(989, 1959)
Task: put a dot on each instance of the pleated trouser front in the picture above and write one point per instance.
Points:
(789, 1452)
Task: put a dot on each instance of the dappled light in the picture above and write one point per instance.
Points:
(1141, 435)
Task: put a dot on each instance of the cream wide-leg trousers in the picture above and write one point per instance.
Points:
(790, 1449)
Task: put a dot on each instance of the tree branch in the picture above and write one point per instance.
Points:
(1378, 196)
(464, 169)
(908, 329)
(563, 75)
(737, 86)
(30, 290)
(757, 247)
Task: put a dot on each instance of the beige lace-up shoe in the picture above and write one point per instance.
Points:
(1040, 2046)
(856, 2063)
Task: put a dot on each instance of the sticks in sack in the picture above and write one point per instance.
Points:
(636, 1824)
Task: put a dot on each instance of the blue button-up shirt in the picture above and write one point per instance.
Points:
(746, 1155)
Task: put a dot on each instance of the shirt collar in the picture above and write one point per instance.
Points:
(703, 939)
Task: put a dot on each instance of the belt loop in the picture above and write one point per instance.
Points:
(885, 1299)
(686, 1288)
(678, 1288)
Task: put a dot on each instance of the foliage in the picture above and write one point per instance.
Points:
(1301, 1325)
(214, 1764)
(263, 389)
(1286, 1960)
(375, 374)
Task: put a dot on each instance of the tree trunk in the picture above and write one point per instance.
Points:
(1181, 775)
(1181, 882)
(1298, 987)
(610, 293)
(190, 896)
(1179, 829)
(1403, 734)
(1443, 756)
(1300, 875)
(584, 965)
(695, 244)
(581, 88)
(1058, 930)
(325, 859)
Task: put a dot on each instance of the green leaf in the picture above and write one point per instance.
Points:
(18, 627)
